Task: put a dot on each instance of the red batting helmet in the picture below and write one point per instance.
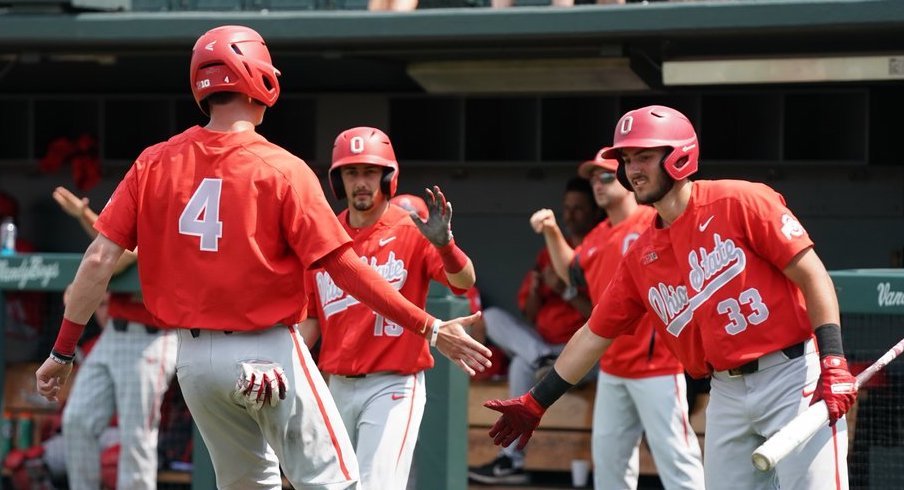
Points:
(364, 145)
(653, 127)
(233, 59)
(585, 170)
(411, 203)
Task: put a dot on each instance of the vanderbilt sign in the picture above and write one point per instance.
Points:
(888, 296)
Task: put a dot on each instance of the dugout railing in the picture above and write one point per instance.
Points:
(441, 454)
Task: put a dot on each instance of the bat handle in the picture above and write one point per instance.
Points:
(790, 436)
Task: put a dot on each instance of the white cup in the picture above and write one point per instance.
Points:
(580, 472)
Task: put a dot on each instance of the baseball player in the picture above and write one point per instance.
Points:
(227, 224)
(734, 288)
(377, 368)
(641, 386)
(127, 373)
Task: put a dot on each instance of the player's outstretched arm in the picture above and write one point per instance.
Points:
(87, 291)
(437, 229)
(520, 416)
(362, 282)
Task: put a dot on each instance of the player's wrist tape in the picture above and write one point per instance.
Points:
(60, 359)
(828, 340)
(550, 388)
(67, 339)
(435, 333)
(454, 260)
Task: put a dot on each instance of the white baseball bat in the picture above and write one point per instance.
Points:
(807, 423)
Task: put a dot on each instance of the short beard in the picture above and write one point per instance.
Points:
(659, 193)
(363, 205)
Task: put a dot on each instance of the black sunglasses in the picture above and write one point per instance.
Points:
(606, 177)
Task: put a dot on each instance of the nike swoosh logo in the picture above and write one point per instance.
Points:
(396, 396)
(688, 147)
(384, 241)
(703, 225)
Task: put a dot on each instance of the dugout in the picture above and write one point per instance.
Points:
(496, 105)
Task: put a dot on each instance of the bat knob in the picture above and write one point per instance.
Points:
(762, 462)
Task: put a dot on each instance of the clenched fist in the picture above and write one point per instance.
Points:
(543, 219)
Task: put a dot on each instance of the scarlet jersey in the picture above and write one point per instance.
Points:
(355, 339)
(557, 320)
(129, 306)
(713, 280)
(640, 354)
(227, 223)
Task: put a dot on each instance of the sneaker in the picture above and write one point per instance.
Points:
(500, 471)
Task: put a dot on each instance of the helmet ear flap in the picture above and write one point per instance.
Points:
(386, 182)
(336, 184)
(622, 175)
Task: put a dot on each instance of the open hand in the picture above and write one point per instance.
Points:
(455, 343)
(69, 202)
(437, 228)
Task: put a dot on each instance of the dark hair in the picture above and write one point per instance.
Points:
(577, 184)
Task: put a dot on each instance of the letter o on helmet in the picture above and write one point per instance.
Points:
(657, 126)
(364, 145)
(233, 59)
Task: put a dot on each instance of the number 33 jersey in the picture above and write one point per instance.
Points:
(355, 339)
(713, 280)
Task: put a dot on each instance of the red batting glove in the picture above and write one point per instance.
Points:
(520, 416)
(836, 386)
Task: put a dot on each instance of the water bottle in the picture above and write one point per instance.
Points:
(6, 435)
(8, 237)
(25, 431)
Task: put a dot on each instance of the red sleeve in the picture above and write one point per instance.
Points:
(773, 230)
(436, 269)
(119, 219)
(310, 225)
(619, 308)
(364, 283)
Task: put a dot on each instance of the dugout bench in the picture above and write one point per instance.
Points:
(441, 453)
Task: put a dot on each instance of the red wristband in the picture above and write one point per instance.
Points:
(68, 337)
(454, 260)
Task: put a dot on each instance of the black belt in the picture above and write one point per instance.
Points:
(353, 376)
(196, 332)
(121, 325)
(791, 352)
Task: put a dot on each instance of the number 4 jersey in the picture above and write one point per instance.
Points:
(713, 280)
(227, 224)
(354, 339)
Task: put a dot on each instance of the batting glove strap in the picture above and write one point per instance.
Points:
(837, 387)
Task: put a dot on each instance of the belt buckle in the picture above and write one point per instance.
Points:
(735, 372)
